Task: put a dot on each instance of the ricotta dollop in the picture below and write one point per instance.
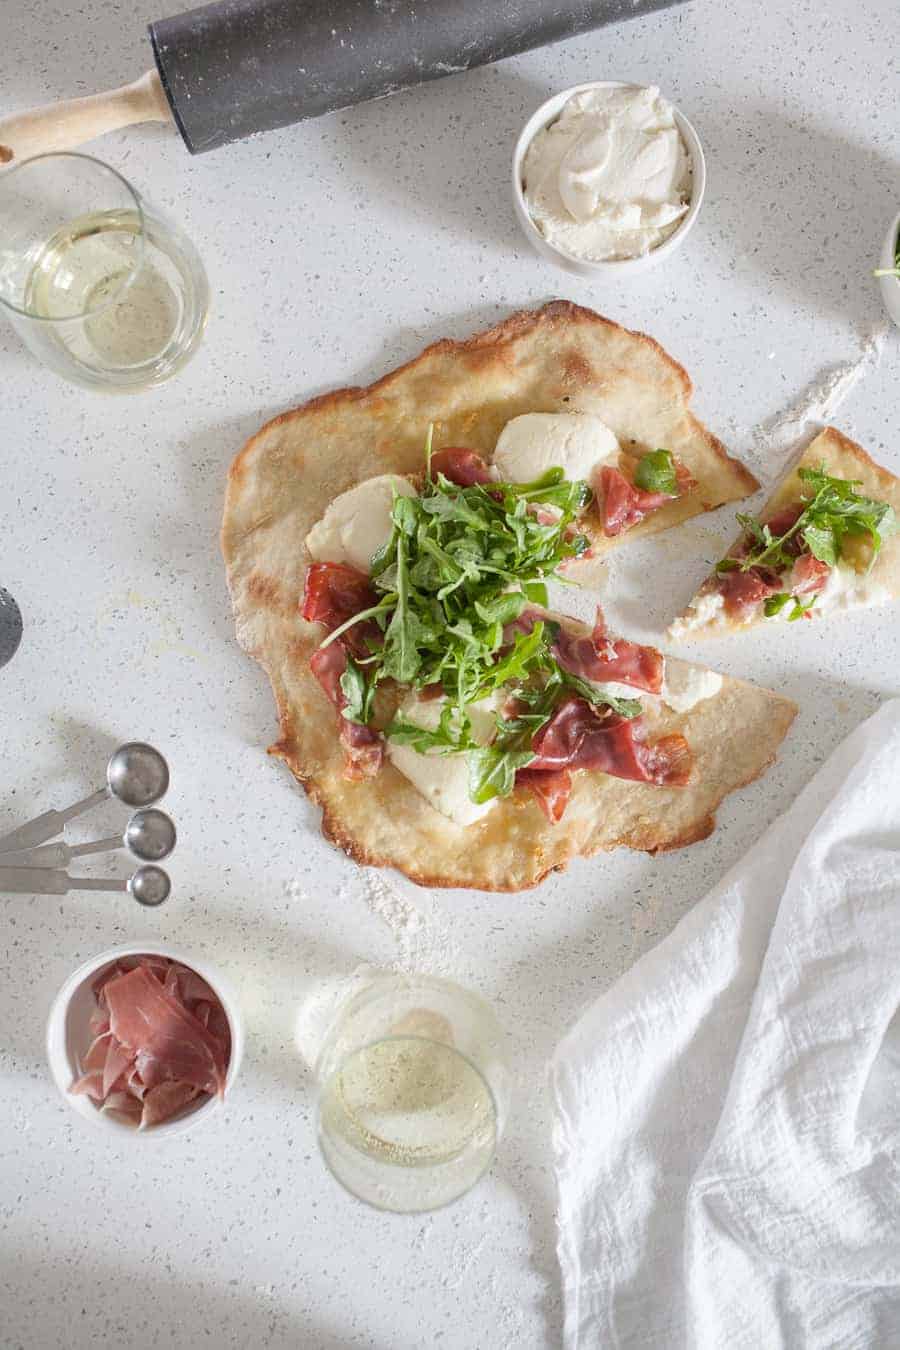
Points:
(531, 444)
(443, 780)
(683, 687)
(358, 522)
(611, 177)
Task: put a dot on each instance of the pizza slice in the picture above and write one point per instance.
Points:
(447, 723)
(825, 542)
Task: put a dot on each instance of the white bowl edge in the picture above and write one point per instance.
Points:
(60, 1054)
(619, 267)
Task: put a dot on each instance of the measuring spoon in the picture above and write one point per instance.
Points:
(149, 835)
(136, 774)
(149, 885)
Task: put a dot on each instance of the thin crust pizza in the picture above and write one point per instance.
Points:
(826, 542)
(444, 719)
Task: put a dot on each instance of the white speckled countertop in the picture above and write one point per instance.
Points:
(335, 250)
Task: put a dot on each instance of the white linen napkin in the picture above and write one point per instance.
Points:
(727, 1116)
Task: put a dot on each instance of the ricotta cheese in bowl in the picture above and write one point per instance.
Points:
(607, 176)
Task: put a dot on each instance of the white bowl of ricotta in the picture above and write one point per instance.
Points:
(607, 178)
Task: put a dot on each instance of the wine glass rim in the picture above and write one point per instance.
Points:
(366, 1196)
(137, 261)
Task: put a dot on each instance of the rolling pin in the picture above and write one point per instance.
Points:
(230, 69)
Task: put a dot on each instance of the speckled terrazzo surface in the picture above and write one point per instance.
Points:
(335, 250)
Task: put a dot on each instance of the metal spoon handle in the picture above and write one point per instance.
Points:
(58, 855)
(45, 826)
(45, 881)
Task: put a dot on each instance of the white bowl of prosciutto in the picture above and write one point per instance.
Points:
(144, 1039)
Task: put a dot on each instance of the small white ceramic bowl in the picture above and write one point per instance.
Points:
(68, 1037)
(890, 286)
(610, 268)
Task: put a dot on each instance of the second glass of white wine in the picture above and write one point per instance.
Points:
(413, 1093)
(103, 287)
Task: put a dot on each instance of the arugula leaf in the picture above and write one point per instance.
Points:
(528, 653)
(359, 693)
(800, 608)
(452, 735)
(405, 515)
(819, 479)
(551, 489)
(655, 472)
(822, 543)
(375, 612)
(832, 509)
(502, 609)
(492, 771)
(536, 592)
(429, 437)
(760, 534)
(837, 506)
(600, 697)
(401, 657)
(774, 604)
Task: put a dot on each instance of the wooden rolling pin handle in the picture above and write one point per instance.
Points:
(63, 126)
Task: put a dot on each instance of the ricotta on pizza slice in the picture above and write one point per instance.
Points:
(826, 542)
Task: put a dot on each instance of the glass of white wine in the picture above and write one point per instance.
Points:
(413, 1090)
(102, 287)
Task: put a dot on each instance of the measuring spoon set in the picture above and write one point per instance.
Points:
(136, 775)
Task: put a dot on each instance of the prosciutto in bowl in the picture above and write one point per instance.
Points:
(143, 1040)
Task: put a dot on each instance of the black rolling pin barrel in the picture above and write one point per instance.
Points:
(241, 66)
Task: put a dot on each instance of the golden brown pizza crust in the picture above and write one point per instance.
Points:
(386, 823)
(557, 358)
(845, 459)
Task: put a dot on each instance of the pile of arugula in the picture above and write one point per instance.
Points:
(832, 511)
(461, 564)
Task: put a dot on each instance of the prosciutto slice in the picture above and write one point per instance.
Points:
(744, 591)
(579, 736)
(624, 504)
(163, 1101)
(363, 747)
(144, 1017)
(119, 1060)
(605, 660)
(782, 521)
(551, 790)
(463, 467)
(163, 1041)
(598, 657)
(332, 594)
(809, 575)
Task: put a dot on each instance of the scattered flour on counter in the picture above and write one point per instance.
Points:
(425, 944)
(776, 438)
